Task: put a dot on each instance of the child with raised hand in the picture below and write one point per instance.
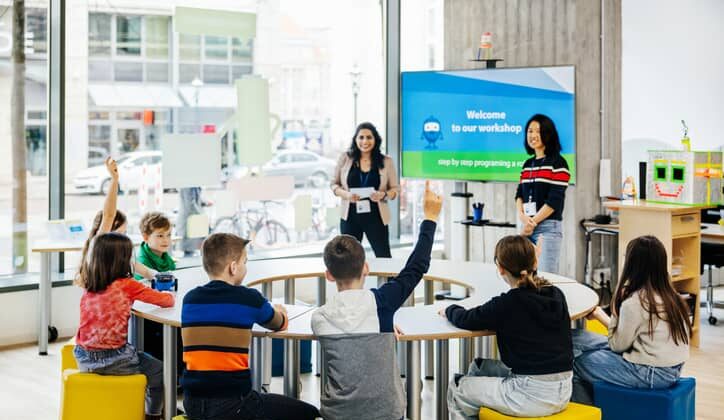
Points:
(216, 322)
(648, 331)
(108, 220)
(355, 327)
(105, 307)
(532, 327)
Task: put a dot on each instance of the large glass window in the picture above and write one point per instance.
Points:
(419, 50)
(148, 76)
(23, 140)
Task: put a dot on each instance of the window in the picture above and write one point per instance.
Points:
(216, 48)
(128, 72)
(303, 157)
(214, 73)
(36, 29)
(99, 35)
(128, 35)
(156, 40)
(15, 249)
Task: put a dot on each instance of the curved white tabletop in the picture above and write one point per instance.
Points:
(420, 322)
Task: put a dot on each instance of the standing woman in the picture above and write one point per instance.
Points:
(364, 166)
(542, 190)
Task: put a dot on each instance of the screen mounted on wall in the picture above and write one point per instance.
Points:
(470, 124)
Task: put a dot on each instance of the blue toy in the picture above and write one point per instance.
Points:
(164, 282)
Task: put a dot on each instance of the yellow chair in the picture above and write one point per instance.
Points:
(181, 417)
(595, 326)
(88, 396)
(572, 412)
(67, 359)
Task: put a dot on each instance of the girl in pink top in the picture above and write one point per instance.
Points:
(102, 340)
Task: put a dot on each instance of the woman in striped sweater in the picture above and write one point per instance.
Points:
(542, 190)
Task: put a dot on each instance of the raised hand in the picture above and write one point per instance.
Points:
(112, 167)
(432, 203)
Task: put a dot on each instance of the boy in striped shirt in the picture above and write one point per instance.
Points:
(216, 322)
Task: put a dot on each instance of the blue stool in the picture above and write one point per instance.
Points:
(618, 403)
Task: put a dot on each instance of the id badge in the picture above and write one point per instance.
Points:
(363, 206)
(529, 208)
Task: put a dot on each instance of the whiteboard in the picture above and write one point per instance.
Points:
(191, 160)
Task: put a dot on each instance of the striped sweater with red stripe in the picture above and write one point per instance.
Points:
(216, 322)
(544, 181)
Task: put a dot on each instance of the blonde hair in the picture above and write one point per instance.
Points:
(516, 254)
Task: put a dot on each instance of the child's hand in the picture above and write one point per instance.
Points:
(432, 203)
(112, 168)
(442, 313)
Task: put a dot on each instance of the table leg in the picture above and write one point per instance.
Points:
(429, 345)
(169, 371)
(266, 343)
(465, 355)
(257, 363)
(291, 368)
(44, 290)
(441, 379)
(401, 353)
(321, 299)
(136, 334)
(413, 380)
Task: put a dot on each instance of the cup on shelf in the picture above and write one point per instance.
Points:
(478, 212)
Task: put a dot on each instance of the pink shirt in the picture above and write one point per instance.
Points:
(104, 315)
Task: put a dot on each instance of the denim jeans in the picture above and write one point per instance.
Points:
(489, 383)
(126, 361)
(550, 256)
(254, 406)
(595, 361)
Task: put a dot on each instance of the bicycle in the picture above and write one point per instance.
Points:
(319, 223)
(256, 225)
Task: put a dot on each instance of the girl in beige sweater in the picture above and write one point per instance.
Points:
(648, 331)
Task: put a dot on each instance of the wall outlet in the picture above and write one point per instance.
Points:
(601, 277)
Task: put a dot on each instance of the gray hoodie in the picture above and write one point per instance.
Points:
(355, 330)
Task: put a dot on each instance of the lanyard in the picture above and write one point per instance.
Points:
(363, 181)
(531, 187)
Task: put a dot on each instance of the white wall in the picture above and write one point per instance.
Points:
(672, 69)
(19, 314)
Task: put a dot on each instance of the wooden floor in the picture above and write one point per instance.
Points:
(30, 384)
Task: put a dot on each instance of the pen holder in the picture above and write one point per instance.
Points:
(477, 213)
(164, 282)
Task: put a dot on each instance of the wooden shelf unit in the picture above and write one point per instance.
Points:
(678, 228)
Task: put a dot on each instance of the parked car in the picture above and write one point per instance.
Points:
(95, 180)
(307, 168)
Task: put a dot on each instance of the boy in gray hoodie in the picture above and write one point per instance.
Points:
(355, 327)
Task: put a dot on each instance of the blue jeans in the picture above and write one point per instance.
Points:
(552, 233)
(126, 361)
(490, 383)
(595, 361)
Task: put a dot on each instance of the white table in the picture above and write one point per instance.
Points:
(417, 323)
